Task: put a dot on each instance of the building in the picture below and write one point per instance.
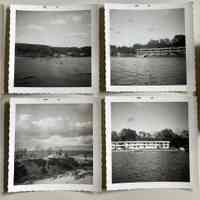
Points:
(140, 145)
(160, 51)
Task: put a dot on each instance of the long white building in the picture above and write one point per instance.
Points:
(140, 145)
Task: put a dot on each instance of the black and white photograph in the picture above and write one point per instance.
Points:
(149, 142)
(52, 48)
(147, 48)
(54, 144)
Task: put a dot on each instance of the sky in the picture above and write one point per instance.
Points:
(129, 27)
(43, 126)
(53, 28)
(149, 116)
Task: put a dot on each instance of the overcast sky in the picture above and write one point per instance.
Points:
(45, 126)
(150, 117)
(60, 29)
(130, 26)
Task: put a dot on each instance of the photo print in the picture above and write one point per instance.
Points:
(52, 49)
(146, 48)
(53, 145)
(148, 143)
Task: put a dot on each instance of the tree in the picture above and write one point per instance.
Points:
(178, 40)
(164, 43)
(113, 50)
(185, 134)
(66, 155)
(165, 134)
(127, 134)
(137, 46)
(153, 44)
(175, 140)
(115, 136)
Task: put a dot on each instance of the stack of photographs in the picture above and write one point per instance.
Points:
(150, 111)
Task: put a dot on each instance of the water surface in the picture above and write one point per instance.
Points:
(150, 166)
(148, 71)
(53, 72)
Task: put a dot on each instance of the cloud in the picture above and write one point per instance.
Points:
(83, 124)
(49, 123)
(35, 27)
(59, 141)
(65, 127)
(86, 139)
(57, 22)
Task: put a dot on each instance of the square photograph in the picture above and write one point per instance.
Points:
(53, 144)
(146, 48)
(148, 142)
(51, 49)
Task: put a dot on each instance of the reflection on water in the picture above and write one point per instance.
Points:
(148, 71)
(150, 166)
(53, 72)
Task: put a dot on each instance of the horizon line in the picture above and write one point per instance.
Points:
(53, 46)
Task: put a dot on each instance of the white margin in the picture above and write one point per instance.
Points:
(96, 186)
(190, 51)
(55, 90)
(193, 132)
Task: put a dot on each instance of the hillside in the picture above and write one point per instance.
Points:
(37, 50)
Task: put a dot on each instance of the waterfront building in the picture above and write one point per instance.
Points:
(160, 51)
(140, 145)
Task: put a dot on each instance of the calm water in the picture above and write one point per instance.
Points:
(53, 72)
(150, 166)
(148, 71)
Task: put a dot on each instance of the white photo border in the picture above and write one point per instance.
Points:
(190, 51)
(96, 185)
(192, 124)
(94, 88)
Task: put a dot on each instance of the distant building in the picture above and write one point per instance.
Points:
(167, 51)
(139, 145)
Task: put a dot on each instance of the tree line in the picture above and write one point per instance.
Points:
(176, 41)
(176, 140)
(36, 50)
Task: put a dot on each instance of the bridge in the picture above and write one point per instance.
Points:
(168, 51)
(140, 145)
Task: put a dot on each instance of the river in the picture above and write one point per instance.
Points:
(148, 71)
(53, 72)
(150, 166)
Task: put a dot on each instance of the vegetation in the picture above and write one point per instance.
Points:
(177, 41)
(36, 50)
(29, 168)
(176, 140)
